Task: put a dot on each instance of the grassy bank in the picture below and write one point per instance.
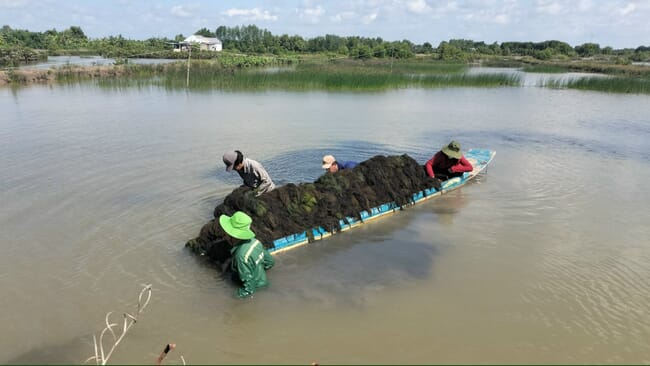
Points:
(586, 66)
(13, 56)
(605, 84)
(592, 66)
(74, 73)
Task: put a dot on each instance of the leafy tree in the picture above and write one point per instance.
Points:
(379, 51)
(588, 49)
(545, 54)
(77, 33)
(361, 52)
(205, 32)
(448, 52)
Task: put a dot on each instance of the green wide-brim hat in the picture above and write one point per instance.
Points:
(452, 150)
(238, 225)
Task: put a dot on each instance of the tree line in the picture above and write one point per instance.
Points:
(252, 39)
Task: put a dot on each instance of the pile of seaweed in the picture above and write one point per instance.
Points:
(292, 208)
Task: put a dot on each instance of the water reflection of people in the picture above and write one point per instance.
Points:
(447, 163)
(448, 205)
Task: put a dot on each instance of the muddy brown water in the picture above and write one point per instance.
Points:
(545, 259)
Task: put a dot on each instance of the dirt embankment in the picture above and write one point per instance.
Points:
(30, 76)
(25, 76)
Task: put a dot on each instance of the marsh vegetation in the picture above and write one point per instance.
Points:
(333, 76)
(256, 59)
(604, 84)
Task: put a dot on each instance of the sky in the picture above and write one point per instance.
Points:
(615, 23)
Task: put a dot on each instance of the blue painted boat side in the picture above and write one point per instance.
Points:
(290, 241)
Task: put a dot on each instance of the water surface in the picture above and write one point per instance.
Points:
(542, 260)
(59, 61)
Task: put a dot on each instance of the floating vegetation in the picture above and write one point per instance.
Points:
(604, 84)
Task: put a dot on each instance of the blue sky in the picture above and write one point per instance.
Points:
(616, 23)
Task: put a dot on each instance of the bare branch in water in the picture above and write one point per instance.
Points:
(100, 357)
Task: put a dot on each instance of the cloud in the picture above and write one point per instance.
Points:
(340, 17)
(502, 19)
(501, 15)
(548, 7)
(250, 14)
(311, 15)
(13, 4)
(367, 19)
(418, 6)
(442, 10)
(585, 5)
(627, 10)
(183, 11)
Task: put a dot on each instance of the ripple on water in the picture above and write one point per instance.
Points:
(592, 295)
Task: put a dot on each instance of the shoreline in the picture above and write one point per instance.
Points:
(336, 75)
(23, 77)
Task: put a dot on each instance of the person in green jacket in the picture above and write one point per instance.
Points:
(250, 258)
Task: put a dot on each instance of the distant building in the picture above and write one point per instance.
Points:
(204, 43)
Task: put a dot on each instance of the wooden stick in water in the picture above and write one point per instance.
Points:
(163, 354)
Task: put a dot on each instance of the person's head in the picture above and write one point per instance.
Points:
(237, 227)
(330, 164)
(452, 150)
(234, 160)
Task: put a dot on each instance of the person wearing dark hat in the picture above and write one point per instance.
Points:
(250, 259)
(251, 171)
(331, 165)
(447, 163)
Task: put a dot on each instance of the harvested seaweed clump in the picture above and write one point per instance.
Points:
(292, 208)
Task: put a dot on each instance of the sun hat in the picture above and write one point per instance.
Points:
(328, 160)
(238, 225)
(452, 150)
(229, 159)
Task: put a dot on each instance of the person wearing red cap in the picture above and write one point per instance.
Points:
(251, 171)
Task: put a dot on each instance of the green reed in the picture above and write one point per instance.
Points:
(241, 72)
(605, 84)
(424, 66)
(333, 76)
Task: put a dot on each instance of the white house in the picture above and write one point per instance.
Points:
(205, 43)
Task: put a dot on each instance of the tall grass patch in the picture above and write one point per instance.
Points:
(605, 84)
(234, 72)
(352, 76)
